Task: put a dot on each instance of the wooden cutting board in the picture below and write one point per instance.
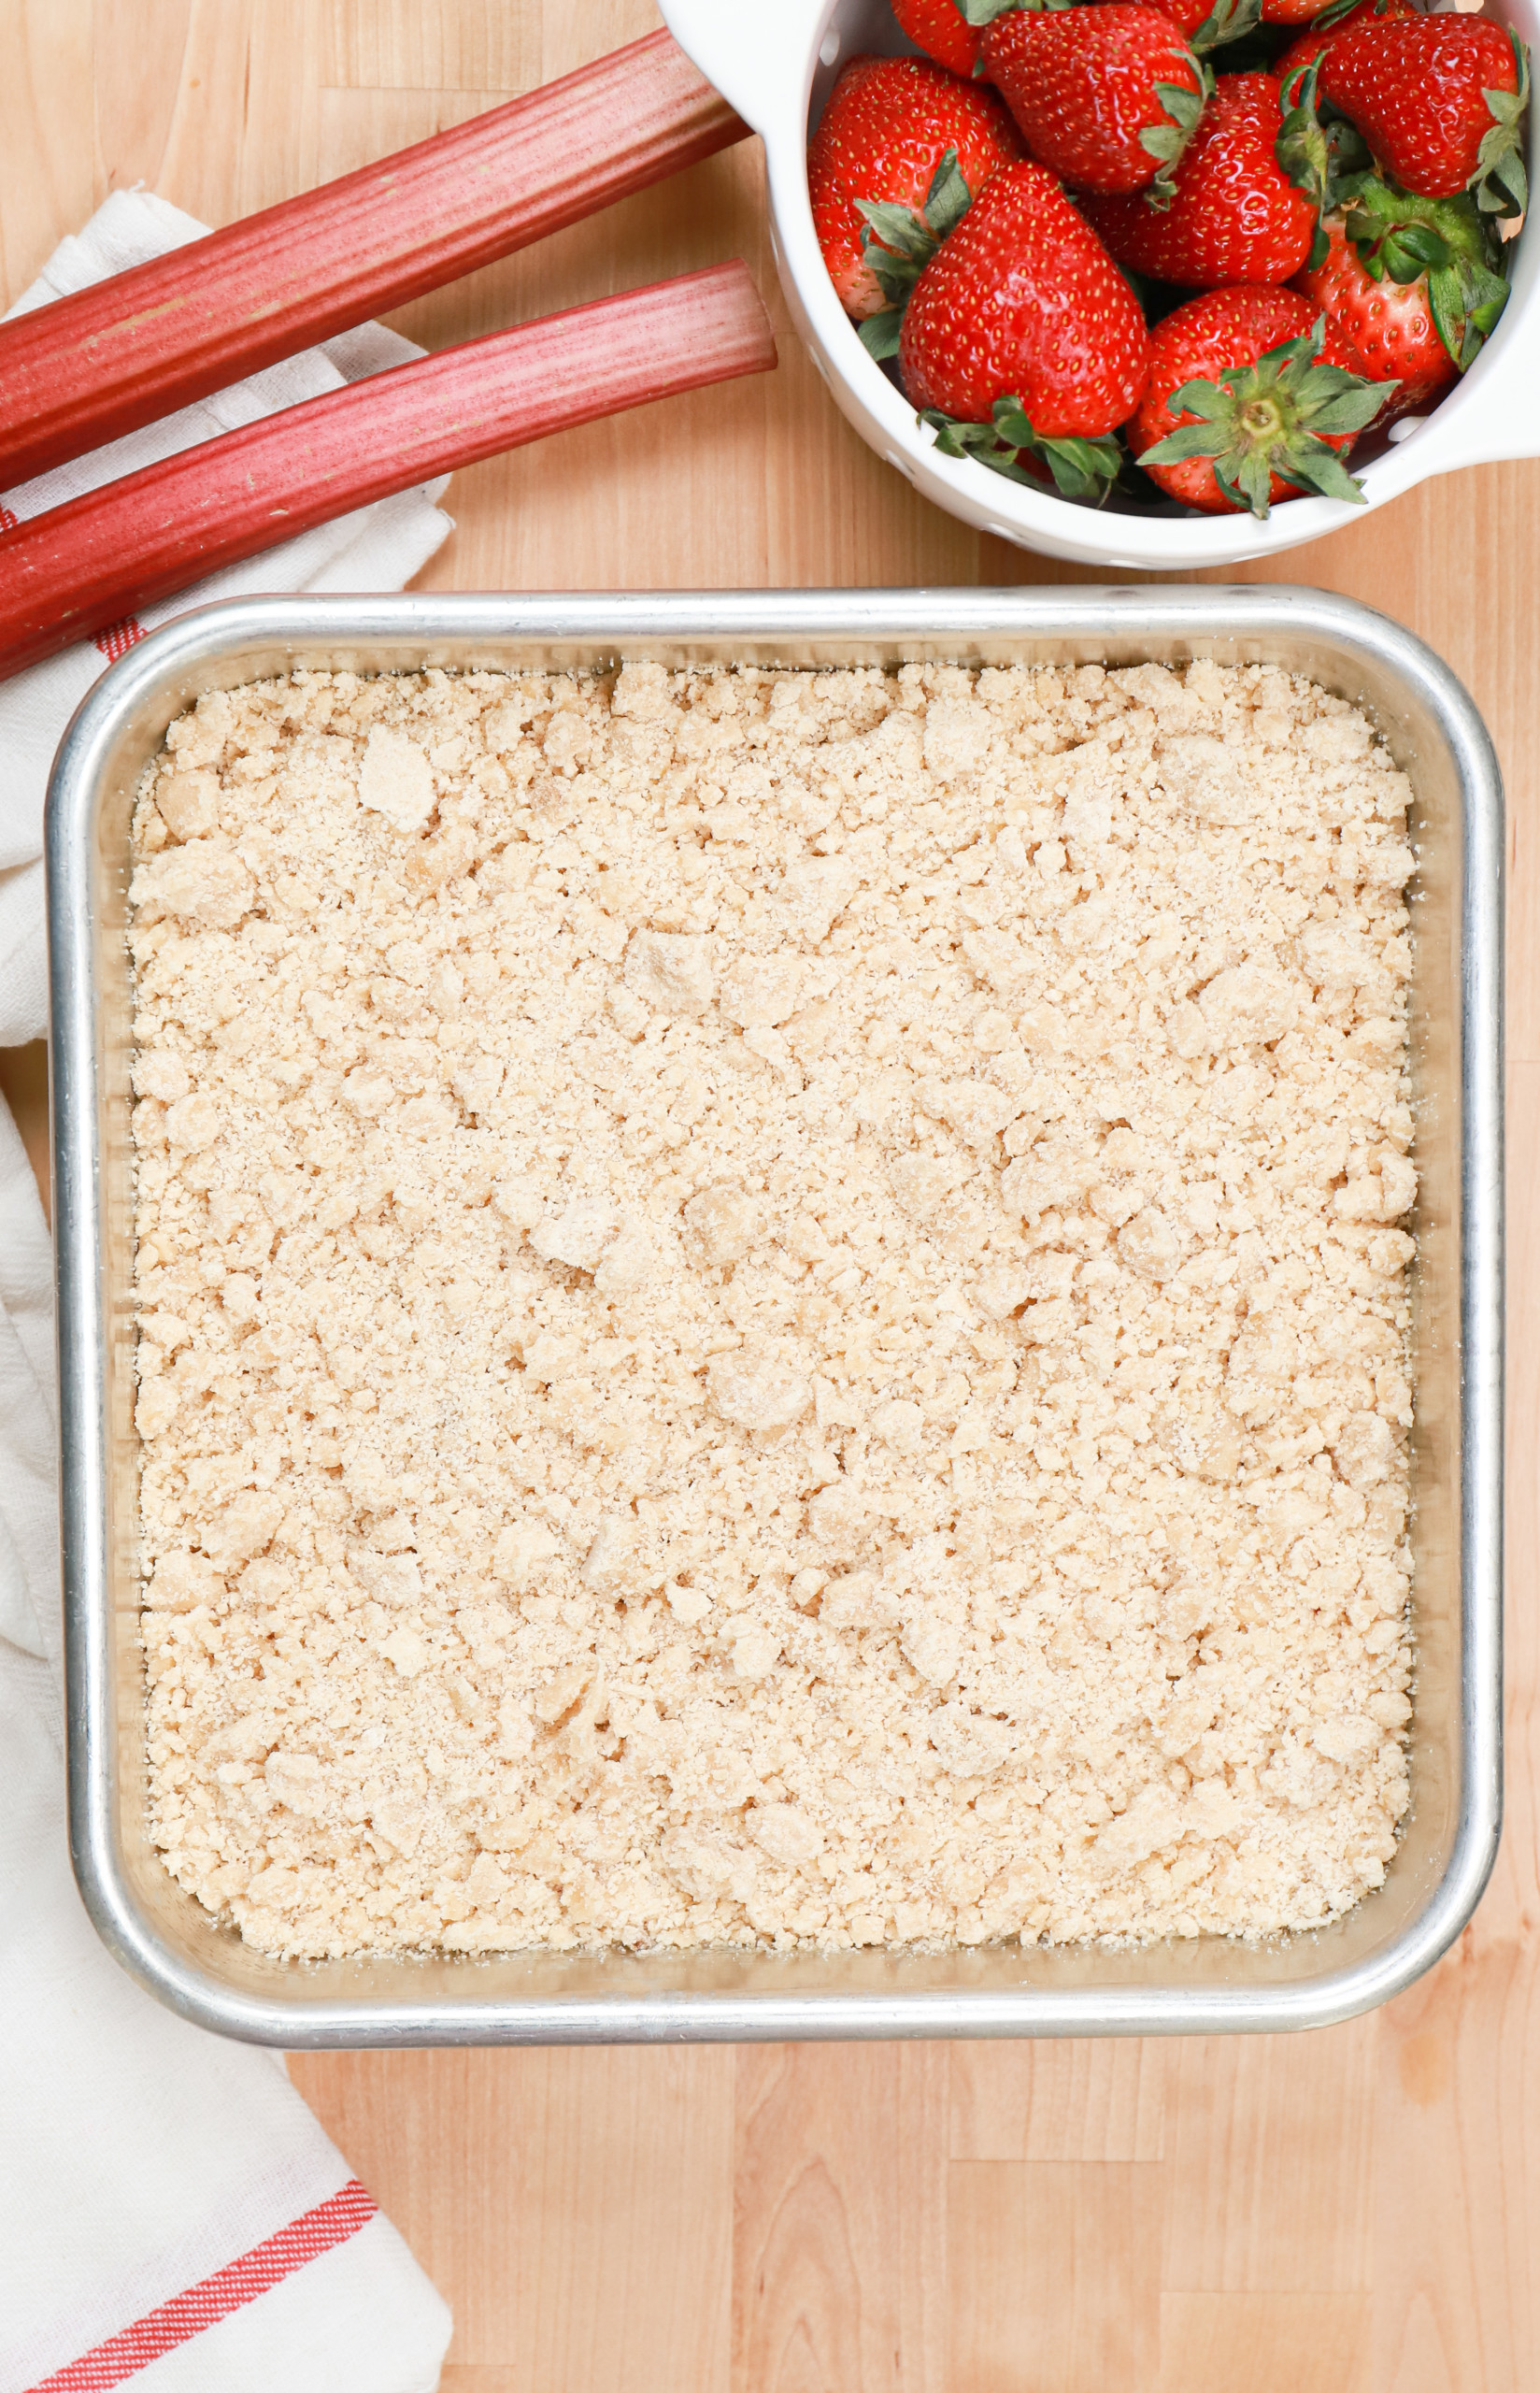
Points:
(1353, 2210)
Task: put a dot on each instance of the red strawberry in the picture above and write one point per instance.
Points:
(1440, 101)
(1387, 327)
(1414, 285)
(1188, 15)
(1290, 12)
(1236, 216)
(1022, 334)
(885, 133)
(1252, 399)
(942, 31)
(1107, 96)
(1310, 45)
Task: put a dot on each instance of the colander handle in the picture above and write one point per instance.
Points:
(755, 52)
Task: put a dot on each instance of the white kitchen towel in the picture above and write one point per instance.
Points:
(376, 548)
(172, 2217)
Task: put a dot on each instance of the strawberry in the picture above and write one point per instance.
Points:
(885, 135)
(1329, 25)
(1209, 25)
(1387, 327)
(1228, 18)
(1289, 12)
(1414, 285)
(942, 31)
(1105, 95)
(1440, 101)
(1023, 335)
(949, 31)
(1252, 398)
(1234, 216)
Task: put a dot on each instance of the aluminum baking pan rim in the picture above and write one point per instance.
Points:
(151, 683)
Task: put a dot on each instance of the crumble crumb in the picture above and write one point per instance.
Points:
(772, 1306)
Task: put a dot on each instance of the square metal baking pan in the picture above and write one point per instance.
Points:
(1194, 1986)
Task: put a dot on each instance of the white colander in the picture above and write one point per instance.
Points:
(777, 64)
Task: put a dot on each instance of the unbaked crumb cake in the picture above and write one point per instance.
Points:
(772, 1306)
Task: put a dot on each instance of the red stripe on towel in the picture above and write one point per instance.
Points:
(204, 2305)
(116, 639)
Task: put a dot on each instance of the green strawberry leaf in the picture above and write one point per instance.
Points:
(1083, 468)
(1500, 184)
(898, 229)
(1348, 150)
(1331, 15)
(1412, 250)
(1336, 10)
(953, 438)
(1351, 408)
(1013, 425)
(1188, 440)
(1278, 416)
(1466, 301)
(1183, 108)
(948, 198)
(1315, 466)
(1443, 306)
(1212, 402)
(878, 335)
(1228, 20)
(1247, 480)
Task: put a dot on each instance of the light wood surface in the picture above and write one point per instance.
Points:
(1351, 2211)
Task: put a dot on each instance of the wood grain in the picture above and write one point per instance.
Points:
(840, 2208)
(1269, 2162)
(1352, 2212)
(1055, 2275)
(595, 2190)
(1075, 2101)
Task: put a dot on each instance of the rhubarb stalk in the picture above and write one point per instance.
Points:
(128, 351)
(67, 573)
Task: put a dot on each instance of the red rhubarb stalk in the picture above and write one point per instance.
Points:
(67, 573)
(103, 361)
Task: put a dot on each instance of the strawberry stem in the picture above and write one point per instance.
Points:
(1317, 158)
(1275, 417)
(1228, 20)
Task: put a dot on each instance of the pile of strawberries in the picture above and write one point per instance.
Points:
(1164, 247)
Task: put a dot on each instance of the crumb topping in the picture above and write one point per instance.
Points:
(772, 1306)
